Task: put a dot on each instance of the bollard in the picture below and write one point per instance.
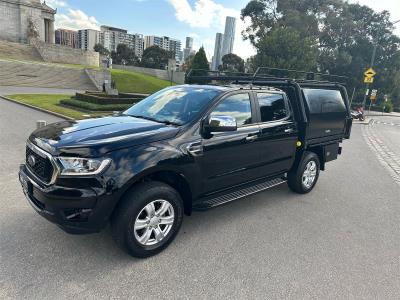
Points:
(40, 124)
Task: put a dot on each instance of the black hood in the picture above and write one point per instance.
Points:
(95, 137)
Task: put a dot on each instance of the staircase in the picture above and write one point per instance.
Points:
(10, 50)
(45, 75)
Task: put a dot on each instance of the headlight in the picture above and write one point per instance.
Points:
(82, 166)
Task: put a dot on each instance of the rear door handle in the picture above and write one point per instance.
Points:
(289, 130)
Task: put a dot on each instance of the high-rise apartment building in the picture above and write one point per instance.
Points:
(67, 37)
(165, 43)
(224, 42)
(229, 35)
(188, 50)
(111, 37)
(217, 58)
(175, 47)
(87, 38)
(138, 44)
(189, 42)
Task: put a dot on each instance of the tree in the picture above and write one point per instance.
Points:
(200, 66)
(124, 56)
(284, 48)
(155, 57)
(200, 60)
(233, 63)
(101, 49)
(341, 36)
(187, 65)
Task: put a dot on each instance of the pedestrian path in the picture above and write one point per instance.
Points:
(385, 123)
(386, 156)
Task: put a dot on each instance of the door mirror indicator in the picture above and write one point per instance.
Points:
(220, 124)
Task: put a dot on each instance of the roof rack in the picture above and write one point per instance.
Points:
(264, 74)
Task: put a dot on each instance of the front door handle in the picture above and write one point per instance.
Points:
(251, 138)
(195, 149)
(289, 130)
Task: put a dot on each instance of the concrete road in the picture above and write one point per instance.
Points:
(340, 241)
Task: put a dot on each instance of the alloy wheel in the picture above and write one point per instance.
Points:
(309, 174)
(154, 222)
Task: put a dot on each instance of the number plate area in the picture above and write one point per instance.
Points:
(26, 184)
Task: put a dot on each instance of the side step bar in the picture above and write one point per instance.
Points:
(232, 196)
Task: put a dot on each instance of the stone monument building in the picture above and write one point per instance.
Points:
(21, 20)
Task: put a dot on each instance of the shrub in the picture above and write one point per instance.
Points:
(93, 106)
(387, 106)
(106, 99)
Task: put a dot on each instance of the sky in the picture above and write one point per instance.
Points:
(200, 19)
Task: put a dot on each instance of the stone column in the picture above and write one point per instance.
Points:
(51, 32)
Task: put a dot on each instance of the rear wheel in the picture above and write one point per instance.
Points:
(148, 219)
(303, 179)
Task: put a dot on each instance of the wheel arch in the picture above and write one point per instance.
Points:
(319, 150)
(173, 178)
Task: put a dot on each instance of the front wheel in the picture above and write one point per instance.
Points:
(303, 179)
(148, 219)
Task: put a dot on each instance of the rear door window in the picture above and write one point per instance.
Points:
(324, 101)
(272, 107)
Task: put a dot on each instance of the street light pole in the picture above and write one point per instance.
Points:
(368, 84)
(371, 66)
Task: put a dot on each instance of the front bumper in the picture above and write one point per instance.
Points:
(76, 210)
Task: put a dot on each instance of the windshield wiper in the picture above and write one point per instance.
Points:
(169, 122)
(166, 122)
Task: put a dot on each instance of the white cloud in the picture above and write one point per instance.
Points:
(76, 19)
(56, 3)
(204, 14)
(193, 35)
(209, 14)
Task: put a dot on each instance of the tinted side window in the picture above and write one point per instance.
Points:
(324, 101)
(272, 107)
(237, 106)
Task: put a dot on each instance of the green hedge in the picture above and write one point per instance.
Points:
(94, 107)
(109, 99)
(133, 95)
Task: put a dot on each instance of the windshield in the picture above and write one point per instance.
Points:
(174, 105)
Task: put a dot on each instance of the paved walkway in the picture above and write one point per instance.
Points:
(9, 90)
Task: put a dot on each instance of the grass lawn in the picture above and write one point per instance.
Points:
(132, 82)
(51, 102)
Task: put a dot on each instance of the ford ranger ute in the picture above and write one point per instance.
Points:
(185, 148)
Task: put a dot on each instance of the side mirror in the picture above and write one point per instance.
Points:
(220, 124)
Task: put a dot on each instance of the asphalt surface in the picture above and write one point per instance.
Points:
(339, 241)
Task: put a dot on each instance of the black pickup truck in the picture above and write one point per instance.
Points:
(184, 148)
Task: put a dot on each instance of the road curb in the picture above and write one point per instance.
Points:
(363, 122)
(37, 108)
(384, 115)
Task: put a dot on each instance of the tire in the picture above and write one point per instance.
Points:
(295, 177)
(131, 221)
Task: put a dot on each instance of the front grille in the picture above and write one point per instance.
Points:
(42, 167)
